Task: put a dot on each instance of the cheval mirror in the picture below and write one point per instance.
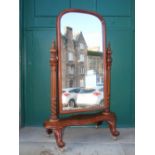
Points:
(80, 74)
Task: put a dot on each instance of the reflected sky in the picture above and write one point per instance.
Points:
(89, 25)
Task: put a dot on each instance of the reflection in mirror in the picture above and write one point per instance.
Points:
(81, 61)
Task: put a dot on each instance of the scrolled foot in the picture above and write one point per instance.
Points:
(112, 127)
(113, 130)
(58, 137)
(115, 133)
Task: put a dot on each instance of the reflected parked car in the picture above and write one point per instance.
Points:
(69, 96)
(90, 96)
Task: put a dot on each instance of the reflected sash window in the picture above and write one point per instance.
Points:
(81, 58)
(70, 56)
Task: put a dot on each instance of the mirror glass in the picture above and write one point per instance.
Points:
(81, 61)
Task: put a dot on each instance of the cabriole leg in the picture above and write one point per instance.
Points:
(58, 133)
(112, 127)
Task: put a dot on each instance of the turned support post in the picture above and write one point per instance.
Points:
(53, 64)
(108, 68)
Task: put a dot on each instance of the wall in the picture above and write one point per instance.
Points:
(38, 21)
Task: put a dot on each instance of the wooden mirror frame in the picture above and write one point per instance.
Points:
(55, 123)
(106, 104)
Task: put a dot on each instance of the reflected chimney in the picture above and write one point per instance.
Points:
(69, 33)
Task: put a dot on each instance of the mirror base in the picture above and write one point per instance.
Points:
(58, 126)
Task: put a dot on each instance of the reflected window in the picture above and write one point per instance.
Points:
(70, 56)
(81, 46)
(83, 91)
(81, 58)
(75, 90)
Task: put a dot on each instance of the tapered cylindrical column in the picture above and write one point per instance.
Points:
(53, 63)
(108, 68)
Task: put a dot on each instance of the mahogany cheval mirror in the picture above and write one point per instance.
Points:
(80, 74)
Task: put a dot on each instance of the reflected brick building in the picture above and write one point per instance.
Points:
(74, 59)
(77, 60)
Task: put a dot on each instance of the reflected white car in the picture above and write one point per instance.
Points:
(69, 96)
(90, 96)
